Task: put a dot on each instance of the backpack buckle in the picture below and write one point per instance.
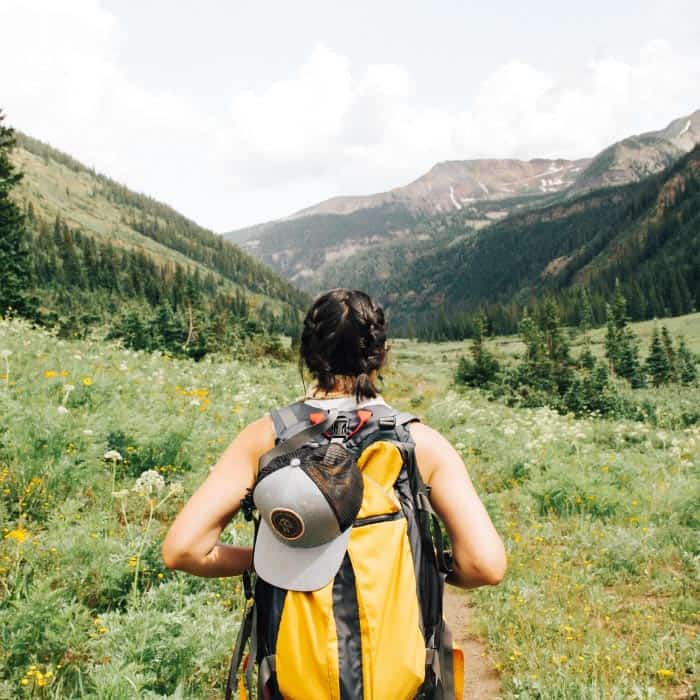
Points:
(339, 430)
(387, 422)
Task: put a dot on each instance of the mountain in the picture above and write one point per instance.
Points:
(311, 245)
(637, 157)
(60, 192)
(644, 234)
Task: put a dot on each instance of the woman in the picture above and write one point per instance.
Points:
(343, 345)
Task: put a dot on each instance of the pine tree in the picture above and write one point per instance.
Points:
(556, 345)
(483, 367)
(15, 260)
(621, 343)
(586, 358)
(168, 328)
(611, 337)
(657, 364)
(687, 369)
(670, 352)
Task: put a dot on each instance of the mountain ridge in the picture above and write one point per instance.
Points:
(304, 244)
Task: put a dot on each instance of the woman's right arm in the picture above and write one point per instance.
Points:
(478, 551)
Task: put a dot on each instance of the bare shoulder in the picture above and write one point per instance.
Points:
(256, 438)
(432, 449)
(261, 430)
(427, 438)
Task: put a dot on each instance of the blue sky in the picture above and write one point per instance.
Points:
(236, 113)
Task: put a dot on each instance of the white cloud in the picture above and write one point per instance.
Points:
(329, 127)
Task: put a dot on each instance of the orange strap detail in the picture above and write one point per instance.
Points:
(242, 690)
(364, 415)
(458, 669)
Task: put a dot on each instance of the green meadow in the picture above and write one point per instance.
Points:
(600, 519)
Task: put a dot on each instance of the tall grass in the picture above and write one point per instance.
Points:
(600, 520)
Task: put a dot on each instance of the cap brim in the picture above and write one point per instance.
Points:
(297, 568)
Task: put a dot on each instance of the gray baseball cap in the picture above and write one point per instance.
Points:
(307, 501)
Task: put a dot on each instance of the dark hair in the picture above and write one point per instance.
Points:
(344, 334)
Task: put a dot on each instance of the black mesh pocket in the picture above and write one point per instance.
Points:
(335, 472)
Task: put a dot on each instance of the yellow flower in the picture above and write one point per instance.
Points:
(664, 673)
(87, 381)
(17, 535)
(161, 576)
(64, 372)
(102, 630)
(24, 681)
(48, 373)
(41, 682)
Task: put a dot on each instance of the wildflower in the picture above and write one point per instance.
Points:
(148, 482)
(87, 381)
(5, 353)
(18, 535)
(176, 488)
(24, 681)
(68, 388)
(62, 410)
(112, 455)
(664, 673)
(48, 373)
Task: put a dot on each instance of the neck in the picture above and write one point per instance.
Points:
(344, 386)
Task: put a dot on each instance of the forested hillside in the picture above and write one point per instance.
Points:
(646, 234)
(100, 254)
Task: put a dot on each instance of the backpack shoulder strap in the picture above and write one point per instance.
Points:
(388, 418)
(286, 418)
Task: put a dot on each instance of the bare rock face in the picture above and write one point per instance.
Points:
(637, 157)
(456, 184)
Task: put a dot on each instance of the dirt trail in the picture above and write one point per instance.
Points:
(481, 681)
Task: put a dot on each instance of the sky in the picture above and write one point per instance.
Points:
(237, 113)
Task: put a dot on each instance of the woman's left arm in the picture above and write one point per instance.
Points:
(191, 544)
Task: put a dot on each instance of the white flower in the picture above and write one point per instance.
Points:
(87, 431)
(113, 455)
(5, 353)
(149, 482)
(176, 488)
(68, 388)
(194, 402)
(62, 409)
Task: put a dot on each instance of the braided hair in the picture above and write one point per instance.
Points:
(344, 334)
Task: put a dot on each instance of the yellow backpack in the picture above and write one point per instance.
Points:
(376, 631)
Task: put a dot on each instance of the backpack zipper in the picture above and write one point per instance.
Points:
(370, 520)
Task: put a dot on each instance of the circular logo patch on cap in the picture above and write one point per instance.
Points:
(287, 523)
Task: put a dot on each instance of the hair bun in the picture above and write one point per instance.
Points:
(344, 333)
